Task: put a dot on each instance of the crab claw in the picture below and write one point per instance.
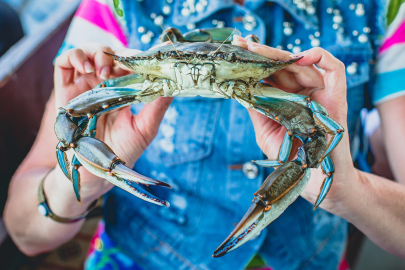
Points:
(100, 160)
(279, 190)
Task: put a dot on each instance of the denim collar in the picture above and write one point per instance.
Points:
(215, 5)
(212, 7)
(310, 21)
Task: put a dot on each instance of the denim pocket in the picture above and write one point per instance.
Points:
(186, 132)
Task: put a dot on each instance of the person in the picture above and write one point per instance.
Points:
(10, 27)
(199, 147)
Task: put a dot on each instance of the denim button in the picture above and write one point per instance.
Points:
(352, 68)
(250, 170)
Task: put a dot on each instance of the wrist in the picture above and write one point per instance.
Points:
(61, 198)
(349, 198)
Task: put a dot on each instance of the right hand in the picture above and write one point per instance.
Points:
(79, 70)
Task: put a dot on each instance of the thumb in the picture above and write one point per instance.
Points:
(148, 120)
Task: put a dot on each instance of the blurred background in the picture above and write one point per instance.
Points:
(31, 33)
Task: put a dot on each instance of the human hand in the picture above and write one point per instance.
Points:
(329, 89)
(78, 71)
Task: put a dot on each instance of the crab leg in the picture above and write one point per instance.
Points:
(329, 169)
(121, 81)
(277, 192)
(63, 160)
(283, 155)
(333, 128)
(76, 177)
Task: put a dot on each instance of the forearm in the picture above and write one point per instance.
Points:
(376, 206)
(32, 232)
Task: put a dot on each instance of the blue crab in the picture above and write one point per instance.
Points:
(212, 70)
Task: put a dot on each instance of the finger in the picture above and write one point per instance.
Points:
(276, 55)
(148, 120)
(119, 69)
(322, 58)
(69, 62)
(102, 62)
(335, 76)
(266, 130)
(239, 41)
(293, 77)
(269, 52)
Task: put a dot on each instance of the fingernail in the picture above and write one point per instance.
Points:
(105, 73)
(297, 54)
(254, 44)
(88, 67)
(239, 38)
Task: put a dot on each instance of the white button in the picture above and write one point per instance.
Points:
(199, 7)
(315, 42)
(167, 10)
(158, 20)
(185, 12)
(352, 68)
(248, 26)
(190, 26)
(363, 38)
(301, 5)
(146, 39)
(250, 170)
(296, 49)
(141, 29)
(360, 12)
(337, 19)
(288, 31)
(311, 10)
(220, 24)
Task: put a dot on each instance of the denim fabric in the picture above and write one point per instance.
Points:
(200, 138)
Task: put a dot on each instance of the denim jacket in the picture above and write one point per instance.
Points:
(201, 143)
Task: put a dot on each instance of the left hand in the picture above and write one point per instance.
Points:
(329, 89)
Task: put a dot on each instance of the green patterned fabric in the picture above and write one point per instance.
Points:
(392, 11)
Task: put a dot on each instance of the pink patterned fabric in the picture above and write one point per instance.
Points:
(101, 16)
(397, 37)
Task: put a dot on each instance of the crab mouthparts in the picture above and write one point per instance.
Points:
(244, 231)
